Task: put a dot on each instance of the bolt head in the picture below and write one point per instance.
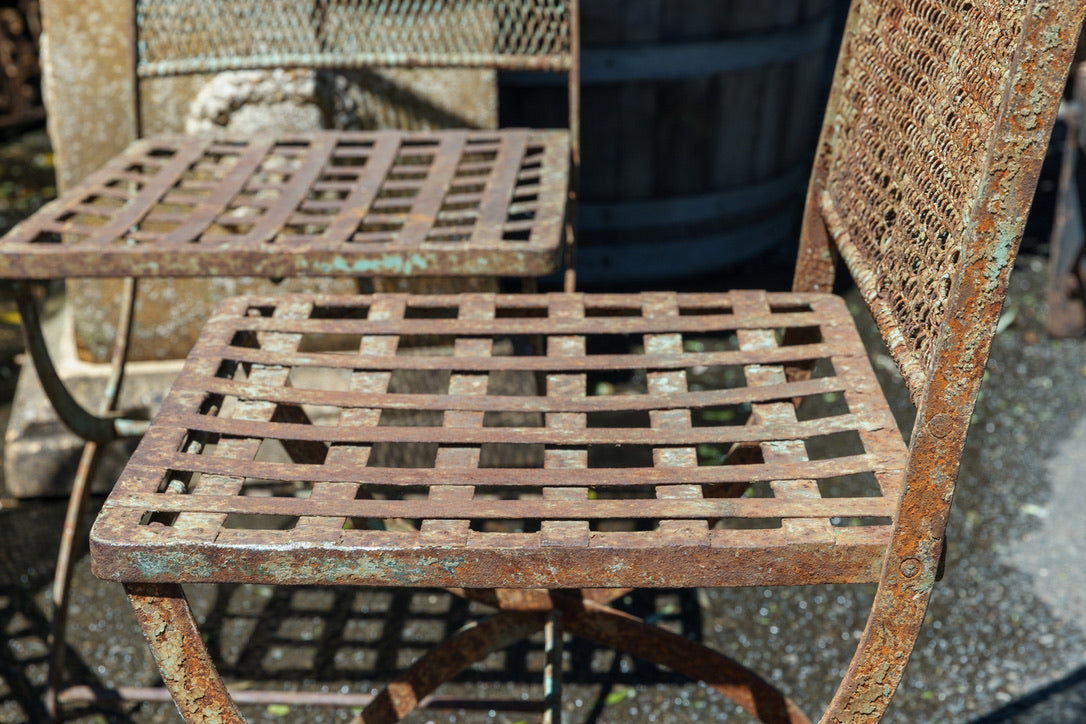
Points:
(910, 567)
(940, 426)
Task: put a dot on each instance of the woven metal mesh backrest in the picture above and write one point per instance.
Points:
(215, 35)
(915, 108)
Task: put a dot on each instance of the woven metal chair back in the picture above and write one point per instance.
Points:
(930, 152)
(218, 35)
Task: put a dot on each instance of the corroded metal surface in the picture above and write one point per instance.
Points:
(905, 150)
(232, 34)
(187, 670)
(414, 469)
(555, 485)
(936, 131)
(327, 204)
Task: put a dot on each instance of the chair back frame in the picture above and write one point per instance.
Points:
(959, 292)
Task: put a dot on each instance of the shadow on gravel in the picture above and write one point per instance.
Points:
(1061, 702)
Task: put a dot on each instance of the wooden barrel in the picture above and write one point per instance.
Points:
(699, 121)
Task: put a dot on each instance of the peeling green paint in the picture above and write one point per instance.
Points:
(1007, 232)
(366, 566)
(388, 264)
(155, 565)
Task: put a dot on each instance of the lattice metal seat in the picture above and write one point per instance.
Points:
(568, 487)
(324, 204)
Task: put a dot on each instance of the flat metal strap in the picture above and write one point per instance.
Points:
(325, 204)
(401, 439)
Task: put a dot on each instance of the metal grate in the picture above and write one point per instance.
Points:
(539, 440)
(326, 204)
(216, 35)
(922, 87)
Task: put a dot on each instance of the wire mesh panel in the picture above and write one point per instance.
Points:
(216, 35)
(922, 86)
(330, 203)
(541, 441)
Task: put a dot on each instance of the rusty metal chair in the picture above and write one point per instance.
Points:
(333, 203)
(929, 155)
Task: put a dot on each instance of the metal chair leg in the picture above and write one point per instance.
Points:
(77, 504)
(552, 671)
(879, 661)
(73, 531)
(404, 694)
(183, 660)
(624, 632)
(97, 428)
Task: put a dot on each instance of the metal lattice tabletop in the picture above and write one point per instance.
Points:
(325, 204)
(550, 441)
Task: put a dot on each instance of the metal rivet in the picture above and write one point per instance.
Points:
(940, 426)
(910, 567)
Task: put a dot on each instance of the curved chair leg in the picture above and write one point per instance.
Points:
(77, 499)
(453, 655)
(96, 428)
(887, 641)
(73, 531)
(624, 632)
(183, 660)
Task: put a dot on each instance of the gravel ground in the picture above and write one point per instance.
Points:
(1003, 640)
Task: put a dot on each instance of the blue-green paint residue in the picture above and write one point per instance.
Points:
(390, 264)
(161, 565)
(377, 568)
(1006, 232)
